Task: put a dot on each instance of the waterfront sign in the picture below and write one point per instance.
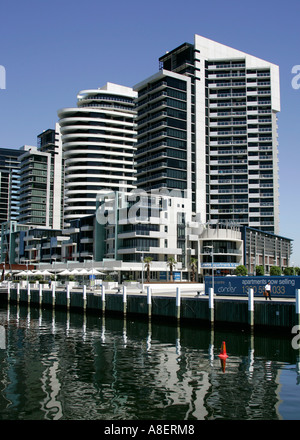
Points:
(220, 265)
(163, 276)
(176, 276)
(281, 286)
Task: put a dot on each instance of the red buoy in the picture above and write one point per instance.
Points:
(223, 354)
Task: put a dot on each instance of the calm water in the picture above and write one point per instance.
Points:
(75, 367)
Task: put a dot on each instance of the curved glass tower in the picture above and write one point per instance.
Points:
(98, 141)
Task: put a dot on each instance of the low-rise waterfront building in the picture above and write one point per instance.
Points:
(127, 228)
(265, 249)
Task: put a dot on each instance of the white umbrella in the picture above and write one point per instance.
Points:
(65, 272)
(22, 273)
(25, 272)
(95, 272)
(82, 272)
(45, 272)
(75, 272)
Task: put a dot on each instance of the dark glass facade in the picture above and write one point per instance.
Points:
(162, 121)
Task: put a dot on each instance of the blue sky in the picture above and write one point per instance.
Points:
(53, 49)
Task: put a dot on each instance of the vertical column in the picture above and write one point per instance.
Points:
(149, 302)
(40, 294)
(298, 307)
(84, 297)
(8, 291)
(68, 296)
(211, 304)
(178, 302)
(103, 298)
(124, 299)
(18, 292)
(53, 294)
(251, 307)
(28, 293)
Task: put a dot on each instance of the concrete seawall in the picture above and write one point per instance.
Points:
(193, 308)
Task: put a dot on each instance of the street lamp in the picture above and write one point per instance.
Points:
(212, 265)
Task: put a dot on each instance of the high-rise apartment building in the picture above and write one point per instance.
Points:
(98, 139)
(207, 125)
(164, 148)
(41, 181)
(9, 184)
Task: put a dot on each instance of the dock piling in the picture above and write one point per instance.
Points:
(124, 299)
(149, 302)
(178, 297)
(251, 307)
(103, 298)
(84, 297)
(53, 294)
(40, 294)
(211, 304)
(68, 296)
(28, 293)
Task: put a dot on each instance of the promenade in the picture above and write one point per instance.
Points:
(180, 302)
(185, 293)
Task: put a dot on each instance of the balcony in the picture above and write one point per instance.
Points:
(87, 240)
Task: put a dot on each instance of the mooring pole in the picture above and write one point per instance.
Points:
(84, 297)
(149, 302)
(68, 296)
(53, 294)
(211, 304)
(28, 293)
(178, 302)
(40, 294)
(124, 299)
(251, 307)
(103, 298)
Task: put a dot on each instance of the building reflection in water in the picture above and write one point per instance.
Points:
(61, 365)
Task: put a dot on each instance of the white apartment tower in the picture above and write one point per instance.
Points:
(213, 109)
(98, 140)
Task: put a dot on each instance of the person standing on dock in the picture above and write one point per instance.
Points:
(268, 291)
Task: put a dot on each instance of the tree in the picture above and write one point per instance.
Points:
(259, 270)
(171, 264)
(147, 261)
(193, 264)
(275, 270)
(241, 270)
(289, 271)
